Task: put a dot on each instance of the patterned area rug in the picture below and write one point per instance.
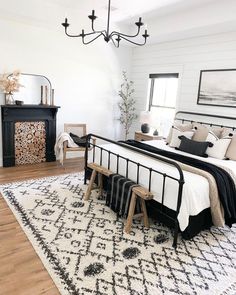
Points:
(84, 248)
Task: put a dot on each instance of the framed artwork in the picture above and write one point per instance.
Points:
(217, 88)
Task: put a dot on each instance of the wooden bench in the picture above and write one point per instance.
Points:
(137, 192)
(144, 195)
(100, 170)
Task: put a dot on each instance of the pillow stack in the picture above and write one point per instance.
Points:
(200, 140)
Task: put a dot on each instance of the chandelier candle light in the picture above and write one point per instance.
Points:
(114, 36)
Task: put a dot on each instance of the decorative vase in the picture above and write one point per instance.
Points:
(155, 132)
(145, 128)
(9, 98)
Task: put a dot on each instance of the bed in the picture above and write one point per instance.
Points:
(182, 195)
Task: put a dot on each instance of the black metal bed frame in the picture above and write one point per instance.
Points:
(205, 115)
(180, 179)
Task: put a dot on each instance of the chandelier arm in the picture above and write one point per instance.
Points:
(125, 35)
(86, 43)
(69, 35)
(116, 45)
(104, 31)
(85, 34)
(139, 44)
(91, 33)
(93, 26)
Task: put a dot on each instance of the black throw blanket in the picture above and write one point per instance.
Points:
(225, 184)
(119, 193)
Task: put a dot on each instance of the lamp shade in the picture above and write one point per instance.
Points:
(145, 117)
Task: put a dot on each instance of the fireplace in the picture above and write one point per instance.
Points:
(28, 134)
(30, 142)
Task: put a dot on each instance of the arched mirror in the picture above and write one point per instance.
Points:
(37, 89)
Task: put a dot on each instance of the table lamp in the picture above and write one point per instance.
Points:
(145, 120)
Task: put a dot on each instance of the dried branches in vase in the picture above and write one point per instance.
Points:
(9, 83)
(127, 105)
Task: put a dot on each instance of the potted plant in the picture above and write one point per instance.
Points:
(127, 104)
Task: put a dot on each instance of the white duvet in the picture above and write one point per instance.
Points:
(195, 197)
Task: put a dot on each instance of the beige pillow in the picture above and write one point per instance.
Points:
(181, 127)
(227, 131)
(220, 146)
(231, 151)
(175, 141)
(217, 130)
(201, 131)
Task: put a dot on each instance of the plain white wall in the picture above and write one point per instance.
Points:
(187, 57)
(86, 79)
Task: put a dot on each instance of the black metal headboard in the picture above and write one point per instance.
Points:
(184, 116)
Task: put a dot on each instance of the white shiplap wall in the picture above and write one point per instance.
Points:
(187, 57)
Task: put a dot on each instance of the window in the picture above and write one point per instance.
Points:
(162, 99)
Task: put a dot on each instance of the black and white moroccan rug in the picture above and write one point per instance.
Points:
(84, 248)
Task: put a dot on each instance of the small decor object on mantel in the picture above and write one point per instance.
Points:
(127, 105)
(46, 95)
(52, 98)
(19, 102)
(9, 83)
(41, 94)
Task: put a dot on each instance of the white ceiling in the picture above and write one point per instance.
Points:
(167, 19)
(121, 9)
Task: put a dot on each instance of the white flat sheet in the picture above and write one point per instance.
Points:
(228, 165)
(195, 196)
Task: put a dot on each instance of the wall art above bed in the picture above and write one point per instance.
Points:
(217, 87)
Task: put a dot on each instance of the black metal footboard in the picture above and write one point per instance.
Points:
(126, 161)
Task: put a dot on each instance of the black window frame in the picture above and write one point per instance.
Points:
(153, 77)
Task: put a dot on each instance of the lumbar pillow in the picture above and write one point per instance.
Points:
(193, 147)
(179, 126)
(80, 141)
(220, 146)
(175, 141)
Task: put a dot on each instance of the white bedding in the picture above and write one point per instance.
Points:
(195, 197)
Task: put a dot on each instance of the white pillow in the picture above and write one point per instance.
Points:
(220, 146)
(175, 141)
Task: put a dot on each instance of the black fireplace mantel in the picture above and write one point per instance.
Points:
(26, 113)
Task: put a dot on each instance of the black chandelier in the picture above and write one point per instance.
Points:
(114, 36)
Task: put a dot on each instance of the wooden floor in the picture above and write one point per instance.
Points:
(21, 271)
